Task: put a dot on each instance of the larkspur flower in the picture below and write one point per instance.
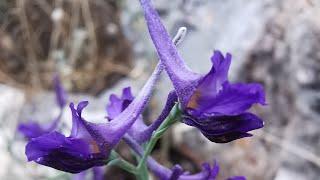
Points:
(32, 129)
(89, 144)
(210, 102)
(139, 130)
(208, 172)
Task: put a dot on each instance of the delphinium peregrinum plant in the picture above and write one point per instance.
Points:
(209, 102)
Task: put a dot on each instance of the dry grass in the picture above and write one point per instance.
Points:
(81, 40)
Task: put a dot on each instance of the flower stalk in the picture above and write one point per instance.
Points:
(173, 117)
(116, 160)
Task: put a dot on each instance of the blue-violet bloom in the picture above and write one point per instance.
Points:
(210, 102)
(139, 130)
(89, 144)
(32, 129)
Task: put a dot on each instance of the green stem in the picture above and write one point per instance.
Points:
(143, 174)
(171, 119)
(116, 160)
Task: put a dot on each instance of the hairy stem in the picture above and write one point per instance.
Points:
(171, 119)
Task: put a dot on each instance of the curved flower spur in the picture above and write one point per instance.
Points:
(89, 144)
(139, 130)
(209, 102)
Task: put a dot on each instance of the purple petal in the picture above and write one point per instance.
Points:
(221, 66)
(117, 105)
(89, 144)
(147, 133)
(61, 95)
(81, 106)
(63, 153)
(211, 84)
(232, 99)
(126, 94)
(177, 171)
(223, 129)
(78, 129)
(184, 80)
(120, 125)
(139, 130)
(107, 135)
(205, 174)
(214, 170)
(237, 178)
(34, 129)
(31, 129)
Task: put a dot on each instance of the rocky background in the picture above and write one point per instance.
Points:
(274, 42)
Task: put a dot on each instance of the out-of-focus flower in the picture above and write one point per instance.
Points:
(139, 130)
(89, 144)
(210, 103)
(32, 129)
(61, 95)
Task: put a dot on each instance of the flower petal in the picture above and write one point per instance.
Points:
(139, 130)
(107, 135)
(223, 129)
(79, 130)
(236, 178)
(34, 129)
(31, 129)
(177, 171)
(146, 133)
(184, 80)
(67, 154)
(211, 83)
(120, 125)
(126, 94)
(232, 99)
(221, 66)
(117, 105)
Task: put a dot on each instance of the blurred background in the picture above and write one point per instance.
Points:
(99, 47)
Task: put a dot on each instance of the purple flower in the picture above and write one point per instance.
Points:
(33, 129)
(89, 144)
(74, 153)
(210, 102)
(139, 130)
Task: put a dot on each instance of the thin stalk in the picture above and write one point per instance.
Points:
(171, 119)
(116, 160)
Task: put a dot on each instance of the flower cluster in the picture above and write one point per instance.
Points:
(209, 102)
